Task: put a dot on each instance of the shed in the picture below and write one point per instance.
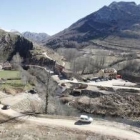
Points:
(7, 66)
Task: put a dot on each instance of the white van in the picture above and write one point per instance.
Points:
(85, 118)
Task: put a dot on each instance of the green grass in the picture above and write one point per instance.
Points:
(14, 83)
(9, 74)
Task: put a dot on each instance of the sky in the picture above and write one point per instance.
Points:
(49, 16)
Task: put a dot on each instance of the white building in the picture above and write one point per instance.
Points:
(108, 73)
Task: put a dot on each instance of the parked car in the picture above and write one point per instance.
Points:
(86, 119)
(5, 107)
(118, 76)
(94, 79)
(102, 79)
(32, 91)
(98, 80)
(106, 79)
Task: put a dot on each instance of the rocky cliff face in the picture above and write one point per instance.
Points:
(10, 44)
(112, 19)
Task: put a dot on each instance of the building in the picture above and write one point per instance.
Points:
(7, 66)
(108, 73)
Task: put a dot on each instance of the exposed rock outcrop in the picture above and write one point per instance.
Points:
(10, 44)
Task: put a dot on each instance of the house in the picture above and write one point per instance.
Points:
(108, 73)
(7, 66)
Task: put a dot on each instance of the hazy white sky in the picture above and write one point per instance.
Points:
(50, 16)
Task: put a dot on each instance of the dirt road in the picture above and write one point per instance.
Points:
(71, 124)
(115, 83)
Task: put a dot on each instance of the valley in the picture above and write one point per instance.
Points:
(90, 68)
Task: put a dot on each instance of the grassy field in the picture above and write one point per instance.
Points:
(9, 74)
(13, 81)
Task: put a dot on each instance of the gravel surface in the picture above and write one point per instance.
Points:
(99, 129)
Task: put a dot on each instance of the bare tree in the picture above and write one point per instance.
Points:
(24, 76)
(131, 65)
(97, 63)
(69, 54)
(90, 105)
(85, 62)
(16, 61)
(47, 91)
(80, 65)
(44, 84)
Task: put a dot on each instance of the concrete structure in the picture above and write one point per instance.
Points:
(107, 73)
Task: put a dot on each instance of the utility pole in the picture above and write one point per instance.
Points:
(47, 91)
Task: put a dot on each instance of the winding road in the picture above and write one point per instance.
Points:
(71, 124)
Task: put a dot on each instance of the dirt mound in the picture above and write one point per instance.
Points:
(117, 105)
(12, 91)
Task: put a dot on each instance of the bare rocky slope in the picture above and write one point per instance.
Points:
(10, 44)
(120, 20)
(121, 103)
(32, 53)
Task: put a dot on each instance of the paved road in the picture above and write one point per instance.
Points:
(96, 128)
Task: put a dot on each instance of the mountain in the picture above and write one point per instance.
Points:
(39, 38)
(119, 19)
(11, 31)
(12, 42)
(15, 32)
(36, 37)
